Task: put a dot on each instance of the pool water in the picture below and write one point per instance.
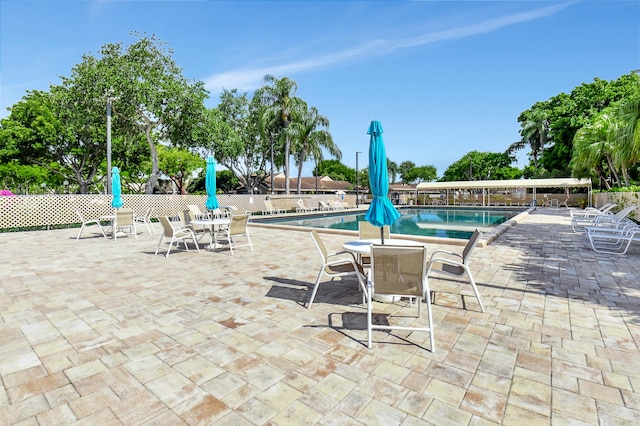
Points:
(428, 222)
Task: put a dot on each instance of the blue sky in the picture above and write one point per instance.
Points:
(443, 77)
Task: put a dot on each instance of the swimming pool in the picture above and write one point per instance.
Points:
(428, 221)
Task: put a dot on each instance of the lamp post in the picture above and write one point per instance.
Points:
(66, 186)
(109, 99)
(43, 185)
(357, 181)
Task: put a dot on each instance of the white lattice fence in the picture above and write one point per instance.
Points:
(23, 211)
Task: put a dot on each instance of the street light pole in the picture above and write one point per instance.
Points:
(109, 144)
(357, 181)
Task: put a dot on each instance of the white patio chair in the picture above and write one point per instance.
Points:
(455, 265)
(176, 235)
(613, 240)
(124, 222)
(237, 228)
(367, 231)
(302, 208)
(146, 219)
(334, 265)
(86, 223)
(197, 213)
(399, 271)
(269, 208)
(198, 230)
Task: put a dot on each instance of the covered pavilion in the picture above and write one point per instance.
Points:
(514, 192)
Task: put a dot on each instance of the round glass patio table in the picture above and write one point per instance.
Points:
(361, 247)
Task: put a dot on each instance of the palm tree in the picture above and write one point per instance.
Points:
(393, 170)
(629, 133)
(598, 142)
(282, 108)
(310, 137)
(534, 131)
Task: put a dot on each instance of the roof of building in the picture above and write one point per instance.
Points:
(519, 183)
(307, 184)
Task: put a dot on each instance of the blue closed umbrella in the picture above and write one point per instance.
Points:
(381, 212)
(210, 184)
(117, 201)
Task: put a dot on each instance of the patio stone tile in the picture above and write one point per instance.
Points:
(574, 406)
(559, 339)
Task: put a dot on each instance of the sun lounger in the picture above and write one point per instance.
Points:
(613, 240)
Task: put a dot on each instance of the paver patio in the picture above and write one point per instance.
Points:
(103, 332)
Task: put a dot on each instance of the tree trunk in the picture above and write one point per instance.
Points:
(155, 168)
(287, 149)
(613, 170)
(299, 185)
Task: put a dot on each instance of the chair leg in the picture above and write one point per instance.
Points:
(315, 289)
(369, 313)
(432, 339)
(475, 288)
(159, 242)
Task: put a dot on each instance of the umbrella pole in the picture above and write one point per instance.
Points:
(382, 234)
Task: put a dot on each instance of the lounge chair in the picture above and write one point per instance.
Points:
(86, 223)
(398, 271)
(455, 265)
(336, 264)
(176, 235)
(237, 228)
(613, 240)
(615, 220)
(302, 208)
(269, 208)
(324, 206)
(583, 218)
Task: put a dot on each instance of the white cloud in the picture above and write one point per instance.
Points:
(249, 79)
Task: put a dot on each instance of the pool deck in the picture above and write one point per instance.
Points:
(103, 332)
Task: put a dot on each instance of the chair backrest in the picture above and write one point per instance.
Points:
(188, 216)
(124, 217)
(466, 253)
(147, 214)
(368, 231)
(398, 270)
(195, 209)
(319, 245)
(268, 205)
(471, 244)
(166, 226)
(218, 213)
(300, 204)
(238, 224)
(80, 216)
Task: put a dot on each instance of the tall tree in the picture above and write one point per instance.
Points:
(238, 143)
(311, 136)
(282, 108)
(476, 165)
(534, 132)
(393, 169)
(179, 164)
(151, 95)
(52, 131)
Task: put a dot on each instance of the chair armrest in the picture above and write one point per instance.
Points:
(442, 251)
(338, 253)
(447, 261)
